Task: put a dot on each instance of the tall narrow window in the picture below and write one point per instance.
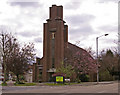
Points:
(53, 49)
(53, 35)
(53, 62)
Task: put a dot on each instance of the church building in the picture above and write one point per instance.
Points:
(55, 43)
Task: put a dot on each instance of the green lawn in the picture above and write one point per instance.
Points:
(3, 84)
(25, 84)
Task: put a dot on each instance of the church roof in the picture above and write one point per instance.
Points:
(74, 49)
(73, 53)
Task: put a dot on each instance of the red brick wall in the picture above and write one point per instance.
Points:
(54, 24)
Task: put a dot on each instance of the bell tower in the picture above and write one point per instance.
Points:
(55, 39)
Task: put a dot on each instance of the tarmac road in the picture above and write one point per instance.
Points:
(94, 88)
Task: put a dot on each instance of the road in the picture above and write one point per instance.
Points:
(98, 88)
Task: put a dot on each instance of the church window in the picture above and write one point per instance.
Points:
(53, 62)
(53, 35)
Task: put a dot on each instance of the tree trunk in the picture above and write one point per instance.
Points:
(17, 81)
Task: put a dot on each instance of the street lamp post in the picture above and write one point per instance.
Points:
(97, 56)
(3, 48)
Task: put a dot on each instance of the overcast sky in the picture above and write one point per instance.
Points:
(86, 20)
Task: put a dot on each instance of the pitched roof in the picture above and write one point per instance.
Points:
(73, 49)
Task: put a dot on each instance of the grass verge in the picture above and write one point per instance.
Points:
(3, 84)
(25, 84)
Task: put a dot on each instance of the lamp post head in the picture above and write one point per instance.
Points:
(15, 39)
(106, 34)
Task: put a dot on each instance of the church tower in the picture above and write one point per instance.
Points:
(55, 39)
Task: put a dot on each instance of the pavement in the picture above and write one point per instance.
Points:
(10, 83)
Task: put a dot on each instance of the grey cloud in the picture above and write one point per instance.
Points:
(29, 33)
(72, 5)
(109, 41)
(5, 29)
(15, 21)
(82, 22)
(25, 4)
(82, 32)
(109, 28)
(38, 40)
(80, 19)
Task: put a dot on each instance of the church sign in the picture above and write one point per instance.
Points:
(59, 78)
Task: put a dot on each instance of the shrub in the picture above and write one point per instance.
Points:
(13, 79)
(78, 80)
(4, 84)
(84, 78)
(105, 76)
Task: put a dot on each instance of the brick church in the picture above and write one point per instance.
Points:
(55, 44)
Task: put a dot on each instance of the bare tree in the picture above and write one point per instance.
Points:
(20, 59)
(15, 58)
(5, 50)
(90, 51)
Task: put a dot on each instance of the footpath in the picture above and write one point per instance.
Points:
(85, 83)
(95, 83)
(10, 83)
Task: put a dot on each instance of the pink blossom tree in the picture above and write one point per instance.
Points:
(81, 60)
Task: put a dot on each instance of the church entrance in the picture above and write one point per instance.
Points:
(51, 79)
(50, 73)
